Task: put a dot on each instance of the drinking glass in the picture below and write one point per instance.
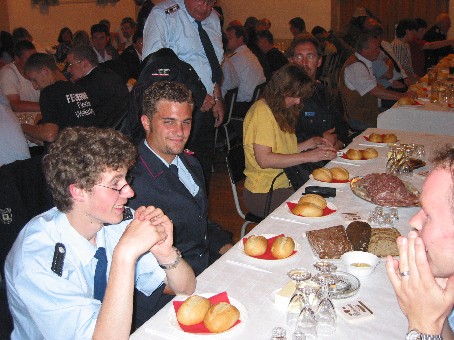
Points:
(307, 322)
(278, 333)
(405, 168)
(392, 160)
(297, 301)
(443, 73)
(435, 92)
(325, 312)
(431, 75)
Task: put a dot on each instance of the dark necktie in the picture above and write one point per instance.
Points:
(396, 65)
(174, 169)
(100, 274)
(216, 72)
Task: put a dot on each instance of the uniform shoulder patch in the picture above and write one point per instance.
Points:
(172, 9)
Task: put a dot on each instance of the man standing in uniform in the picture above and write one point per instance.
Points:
(192, 30)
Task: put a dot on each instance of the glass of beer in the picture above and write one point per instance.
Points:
(431, 75)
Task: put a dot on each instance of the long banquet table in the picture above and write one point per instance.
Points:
(429, 118)
(253, 288)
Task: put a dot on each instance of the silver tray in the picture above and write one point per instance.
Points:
(360, 191)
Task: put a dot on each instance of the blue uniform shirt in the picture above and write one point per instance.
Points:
(172, 26)
(45, 305)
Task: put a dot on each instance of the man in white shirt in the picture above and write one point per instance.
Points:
(13, 145)
(18, 90)
(359, 88)
(247, 66)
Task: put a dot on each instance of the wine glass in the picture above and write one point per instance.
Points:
(299, 275)
(325, 312)
(405, 168)
(307, 322)
(392, 160)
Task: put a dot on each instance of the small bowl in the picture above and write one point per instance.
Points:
(360, 263)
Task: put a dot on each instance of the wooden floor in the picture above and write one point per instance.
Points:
(221, 206)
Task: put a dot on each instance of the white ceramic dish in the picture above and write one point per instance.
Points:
(229, 334)
(267, 236)
(356, 161)
(369, 260)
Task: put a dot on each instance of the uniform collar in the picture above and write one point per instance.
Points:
(78, 245)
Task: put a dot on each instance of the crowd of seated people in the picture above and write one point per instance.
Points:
(294, 121)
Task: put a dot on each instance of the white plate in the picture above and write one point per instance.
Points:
(312, 219)
(329, 184)
(359, 161)
(267, 236)
(421, 106)
(228, 334)
(374, 143)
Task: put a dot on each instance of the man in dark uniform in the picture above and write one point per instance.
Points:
(62, 103)
(106, 89)
(132, 55)
(173, 180)
(320, 115)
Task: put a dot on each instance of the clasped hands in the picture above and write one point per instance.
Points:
(150, 230)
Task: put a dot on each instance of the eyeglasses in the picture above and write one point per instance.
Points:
(206, 2)
(74, 63)
(299, 57)
(123, 189)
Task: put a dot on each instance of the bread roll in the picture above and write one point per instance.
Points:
(307, 209)
(369, 153)
(255, 245)
(193, 310)
(375, 137)
(322, 174)
(221, 317)
(340, 174)
(389, 138)
(282, 247)
(354, 154)
(313, 198)
(406, 101)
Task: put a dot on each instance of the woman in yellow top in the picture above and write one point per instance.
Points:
(270, 142)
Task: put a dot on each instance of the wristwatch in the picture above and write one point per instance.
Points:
(174, 264)
(414, 334)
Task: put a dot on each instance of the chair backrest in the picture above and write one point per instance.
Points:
(257, 91)
(23, 195)
(229, 104)
(235, 166)
(330, 64)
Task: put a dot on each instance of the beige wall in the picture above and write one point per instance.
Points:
(279, 12)
(45, 23)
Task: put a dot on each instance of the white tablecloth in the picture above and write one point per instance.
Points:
(254, 288)
(429, 118)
